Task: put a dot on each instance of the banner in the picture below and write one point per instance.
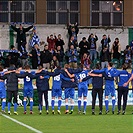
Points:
(89, 98)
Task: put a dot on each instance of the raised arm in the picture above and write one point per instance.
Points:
(27, 29)
(14, 28)
(99, 71)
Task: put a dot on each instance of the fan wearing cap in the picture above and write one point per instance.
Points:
(12, 86)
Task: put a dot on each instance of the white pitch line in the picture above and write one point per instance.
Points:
(22, 124)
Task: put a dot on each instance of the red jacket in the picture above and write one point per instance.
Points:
(51, 43)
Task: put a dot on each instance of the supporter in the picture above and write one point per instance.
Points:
(14, 55)
(51, 42)
(60, 42)
(85, 61)
(73, 42)
(116, 49)
(128, 55)
(60, 55)
(54, 63)
(105, 41)
(105, 57)
(72, 55)
(35, 56)
(46, 57)
(73, 31)
(84, 46)
(23, 56)
(131, 45)
(92, 39)
(21, 35)
(34, 38)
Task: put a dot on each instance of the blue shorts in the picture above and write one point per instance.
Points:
(69, 92)
(2, 90)
(82, 90)
(56, 92)
(109, 90)
(28, 92)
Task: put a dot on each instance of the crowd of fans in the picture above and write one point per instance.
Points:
(53, 54)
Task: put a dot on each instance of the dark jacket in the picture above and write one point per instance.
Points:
(60, 43)
(70, 84)
(59, 55)
(46, 56)
(12, 80)
(42, 84)
(105, 56)
(105, 43)
(21, 34)
(84, 47)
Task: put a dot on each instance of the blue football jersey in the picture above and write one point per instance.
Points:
(81, 76)
(27, 79)
(123, 77)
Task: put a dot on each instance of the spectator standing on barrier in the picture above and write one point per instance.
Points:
(105, 57)
(84, 47)
(46, 57)
(116, 49)
(73, 31)
(51, 42)
(72, 55)
(92, 39)
(21, 35)
(105, 42)
(35, 56)
(59, 42)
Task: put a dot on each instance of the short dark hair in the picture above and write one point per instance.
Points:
(1, 68)
(110, 64)
(125, 66)
(27, 67)
(98, 66)
(40, 67)
(12, 46)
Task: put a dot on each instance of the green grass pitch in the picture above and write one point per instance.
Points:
(74, 123)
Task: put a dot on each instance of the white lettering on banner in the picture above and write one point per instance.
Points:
(89, 99)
